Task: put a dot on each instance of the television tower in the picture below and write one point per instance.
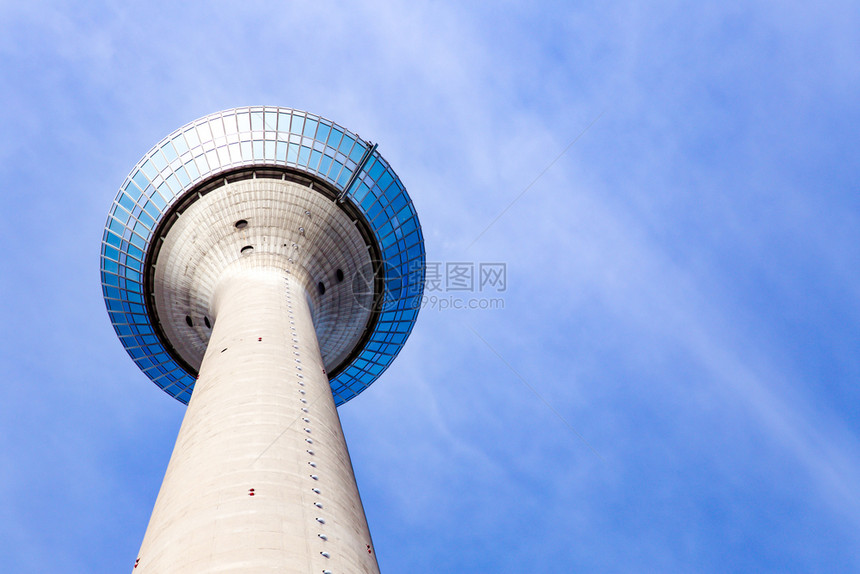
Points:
(262, 265)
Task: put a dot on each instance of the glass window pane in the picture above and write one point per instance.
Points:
(217, 127)
(310, 128)
(297, 124)
(169, 152)
(257, 121)
(191, 138)
(323, 131)
(271, 120)
(230, 124)
(180, 145)
(244, 121)
(203, 132)
(158, 160)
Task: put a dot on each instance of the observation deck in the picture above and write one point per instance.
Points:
(295, 181)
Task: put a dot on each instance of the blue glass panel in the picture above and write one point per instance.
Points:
(406, 214)
(179, 143)
(281, 154)
(183, 176)
(335, 137)
(367, 202)
(192, 169)
(133, 190)
(112, 239)
(323, 131)
(283, 122)
(257, 121)
(346, 145)
(120, 214)
(343, 178)
(111, 266)
(110, 252)
(293, 153)
(414, 251)
(304, 155)
(173, 184)
(398, 202)
(271, 118)
(310, 128)
(116, 226)
(270, 149)
(149, 170)
(357, 152)
(360, 192)
(377, 169)
(386, 215)
(126, 202)
(374, 210)
(386, 242)
(384, 181)
(384, 230)
(335, 169)
(297, 124)
(403, 327)
(138, 241)
(315, 160)
(152, 210)
(325, 164)
(247, 150)
(158, 201)
(258, 149)
(169, 152)
(158, 160)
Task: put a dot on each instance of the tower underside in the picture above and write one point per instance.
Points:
(262, 222)
(253, 286)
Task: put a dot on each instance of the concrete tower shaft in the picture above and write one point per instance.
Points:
(260, 479)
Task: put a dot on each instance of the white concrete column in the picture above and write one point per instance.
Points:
(260, 479)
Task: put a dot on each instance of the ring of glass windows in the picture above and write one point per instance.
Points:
(256, 137)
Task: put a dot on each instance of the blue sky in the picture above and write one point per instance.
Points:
(683, 283)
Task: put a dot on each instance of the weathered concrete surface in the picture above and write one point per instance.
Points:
(260, 479)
